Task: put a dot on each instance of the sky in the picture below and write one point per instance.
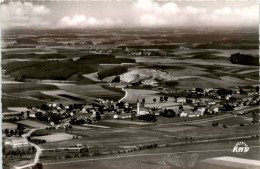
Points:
(137, 13)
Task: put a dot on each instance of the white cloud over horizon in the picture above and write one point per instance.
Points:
(24, 14)
(141, 13)
(81, 21)
(152, 13)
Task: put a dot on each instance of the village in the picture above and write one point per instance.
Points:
(194, 103)
(190, 105)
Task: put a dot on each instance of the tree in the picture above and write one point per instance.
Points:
(20, 129)
(6, 132)
(116, 79)
(143, 101)
(37, 166)
(15, 132)
(71, 107)
(98, 117)
(153, 118)
(166, 98)
(93, 105)
(154, 100)
(22, 115)
(89, 121)
(228, 107)
(28, 114)
(257, 89)
(199, 90)
(45, 107)
(255, 117)
(11, 132)
(222, 92)
(215, 124)
(161, 98)
(101, 109)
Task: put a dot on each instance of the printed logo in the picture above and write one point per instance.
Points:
(240, 148)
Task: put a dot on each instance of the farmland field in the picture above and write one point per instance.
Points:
(173, 157)
(18, 102)
(33, 124)
(175, 128)
(8, 126)
(149, 95)
(55, 137)
(235, 121)
(92, 90)
(22, 87)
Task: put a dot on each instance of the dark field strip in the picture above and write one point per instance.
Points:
(71, 97)
(18, 102)
(22, 87)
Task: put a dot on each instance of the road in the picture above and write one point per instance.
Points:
(124, 96)
(37, 154)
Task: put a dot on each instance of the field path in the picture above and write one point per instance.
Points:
(38, 151)
(124, 96)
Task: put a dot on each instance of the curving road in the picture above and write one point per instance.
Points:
(38, 151)
(124, 96)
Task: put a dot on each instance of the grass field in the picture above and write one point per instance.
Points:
(55, 137)
(33, 124)
(92, 90)
(122, 123)
(186, 156)
(234, 121)
(8, 126)
(22, 87)
(93, 77)
(175, 128)
(18, 102)
(149, 95)
(67, 97)
(127, 134)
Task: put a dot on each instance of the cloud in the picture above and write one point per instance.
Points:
(151, 13)
(141, 13)
(82, 21)
(24, 14)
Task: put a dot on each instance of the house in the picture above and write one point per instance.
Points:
(122, 116)
(126, 105)
(191, 100)
(212, 103)
(201, 110)
(116, 116)
(181, 100)
(150, 82)
(215, 109)
(79, 145)
(183, 114)
(142, 112)
(195, 114)
(84, 111)
(227, 97)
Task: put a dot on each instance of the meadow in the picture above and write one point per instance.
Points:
(189, 156)
(55, 137)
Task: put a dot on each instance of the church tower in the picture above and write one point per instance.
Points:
(138, 108)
